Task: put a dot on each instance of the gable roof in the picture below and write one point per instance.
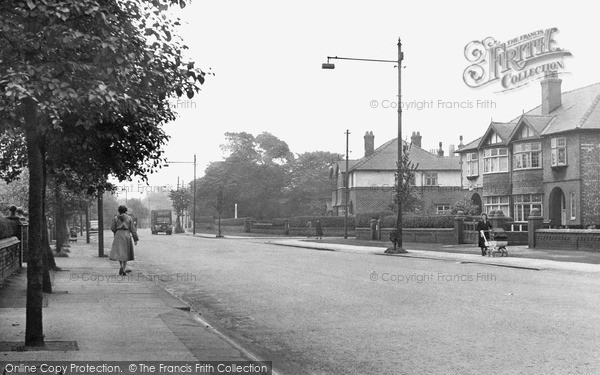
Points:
(473, 145)
(579, 110)
(385, 156)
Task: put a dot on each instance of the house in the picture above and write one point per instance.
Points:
(371, 178)
(547, 158)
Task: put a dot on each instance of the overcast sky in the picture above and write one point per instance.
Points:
(267, 56)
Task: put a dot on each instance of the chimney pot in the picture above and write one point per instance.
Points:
(440, 150)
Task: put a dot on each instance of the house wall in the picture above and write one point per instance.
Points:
(373, 178)
(567, 173)
(474, 181)
(445, 178)
(590, 178)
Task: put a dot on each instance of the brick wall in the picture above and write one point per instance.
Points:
(496, 184)
(568, 239)
(590, 178)
(416, 235)
(528, 182)
(9, 257)
(432, 196)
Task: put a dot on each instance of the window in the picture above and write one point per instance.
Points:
(496, 203)
(442, 209)
(525, 203)
(526, 132)
(493, 139)
(495, 160)
(527, 155)
(558, 147)
(431, 179)
(573, 206)
(472, 164)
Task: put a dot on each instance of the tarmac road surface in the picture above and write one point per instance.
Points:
(322, 312)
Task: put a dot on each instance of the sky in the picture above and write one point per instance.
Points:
(267, 56)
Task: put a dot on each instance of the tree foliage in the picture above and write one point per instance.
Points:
(265, 179)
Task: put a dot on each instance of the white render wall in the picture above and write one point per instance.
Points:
(386, 178)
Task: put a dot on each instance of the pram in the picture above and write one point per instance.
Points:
(73, 235)
(496, 242)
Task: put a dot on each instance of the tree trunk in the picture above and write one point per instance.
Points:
(34, 332)
(60, 224)
(47, 257)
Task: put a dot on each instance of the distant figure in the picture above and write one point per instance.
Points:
(319, 229)
(309, 227)
(122, 247)
(484, 226)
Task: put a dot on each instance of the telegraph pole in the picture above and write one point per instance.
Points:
(346, 187)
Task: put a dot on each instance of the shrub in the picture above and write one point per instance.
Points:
(364, 220)
(326, 221)
(412, 221)
(239, 222)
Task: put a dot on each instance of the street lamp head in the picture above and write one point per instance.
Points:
(328, 65)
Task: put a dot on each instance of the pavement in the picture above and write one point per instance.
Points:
(452, 254)
(94, 314)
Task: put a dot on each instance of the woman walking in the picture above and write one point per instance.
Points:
(122, 247)
(483, 226)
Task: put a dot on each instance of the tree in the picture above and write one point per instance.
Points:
(309, 188)
(100, 60)
(181, 199)
(138, 209)
(405, 192)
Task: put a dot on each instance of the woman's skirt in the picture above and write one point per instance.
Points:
(122, 247)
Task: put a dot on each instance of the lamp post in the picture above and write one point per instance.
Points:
(329, 65)
(189, 162)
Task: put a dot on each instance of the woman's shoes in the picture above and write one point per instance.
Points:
(121, 272)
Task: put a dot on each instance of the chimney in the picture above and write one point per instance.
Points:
(369, 143)
(415, 139)
(460, 144)
(440, 150)
(551, 95)
(451, 150)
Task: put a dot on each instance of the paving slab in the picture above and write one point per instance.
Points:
(95, 314)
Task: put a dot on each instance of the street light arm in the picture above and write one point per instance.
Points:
(357, 59)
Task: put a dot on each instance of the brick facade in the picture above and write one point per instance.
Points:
(496, 184)
(590, 177)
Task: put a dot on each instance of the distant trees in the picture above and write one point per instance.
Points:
(265, 179)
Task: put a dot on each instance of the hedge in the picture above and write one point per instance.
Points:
(206, 219)
(8, 228)
(239, 222)
(364, 220)
(326, 221)
(411, 221)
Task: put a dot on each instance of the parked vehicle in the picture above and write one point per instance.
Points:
(161, 221)
(93, 226)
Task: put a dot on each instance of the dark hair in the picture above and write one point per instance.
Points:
(122, 209)
(486, 216)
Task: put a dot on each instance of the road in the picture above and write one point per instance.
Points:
(322, 312)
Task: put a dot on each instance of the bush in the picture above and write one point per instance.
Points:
(205, 220)
(326, 221)
(364, 220)
(411, 221)
(8, 228)
(239, 222)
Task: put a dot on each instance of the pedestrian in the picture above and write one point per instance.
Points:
(483, 228)
(125, 232)
(309, 228)
(319, 229)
